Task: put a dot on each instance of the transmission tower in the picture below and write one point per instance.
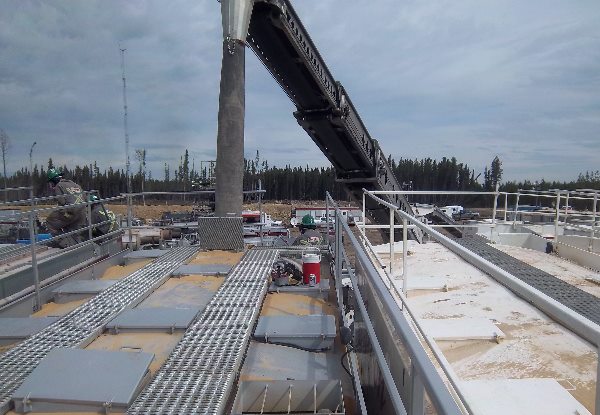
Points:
(127, 165)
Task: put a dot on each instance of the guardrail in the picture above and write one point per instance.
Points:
(31, 214)
(370, 331)
(570, 319)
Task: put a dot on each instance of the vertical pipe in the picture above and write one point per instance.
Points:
(230, 131)
(37, 305)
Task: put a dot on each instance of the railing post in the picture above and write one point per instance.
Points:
(391, 242)
(327, 218)
(364, 215)
(516, 210)
(37, 305)
(129, 221)
(556, 216)
(260, 227)
(598, 383)
(494, 214)
(404, 256)
(338, 248)
(593, 233)
(505, 206)
(417, 403)
(89, 215)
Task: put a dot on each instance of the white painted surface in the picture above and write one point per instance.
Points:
(417, 282)
(462, 329)
(534, 346)
(521, 397)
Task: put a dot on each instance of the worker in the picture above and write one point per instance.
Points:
(72, 217)
(308, 232)
(104, 219)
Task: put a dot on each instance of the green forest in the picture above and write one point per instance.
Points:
(292, 182)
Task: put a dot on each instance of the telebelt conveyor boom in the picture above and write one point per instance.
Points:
(324, 109)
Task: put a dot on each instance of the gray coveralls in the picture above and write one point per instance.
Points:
(70, 218)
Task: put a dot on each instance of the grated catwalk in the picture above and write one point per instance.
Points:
(82, 325)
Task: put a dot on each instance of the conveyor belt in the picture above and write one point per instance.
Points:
(85, 323)
(572, 297)
(198, 375)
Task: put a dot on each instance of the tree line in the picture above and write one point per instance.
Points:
(293, 182)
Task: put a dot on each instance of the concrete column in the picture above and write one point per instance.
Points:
(230, 134)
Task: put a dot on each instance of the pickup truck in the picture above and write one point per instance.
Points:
(465, 215)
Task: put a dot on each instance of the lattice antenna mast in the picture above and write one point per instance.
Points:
(127, 164)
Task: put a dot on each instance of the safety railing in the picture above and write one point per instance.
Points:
(372, 342)
(570, 319)
(34, 208)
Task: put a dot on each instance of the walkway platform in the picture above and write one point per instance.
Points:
(200, 372)
(572, 297)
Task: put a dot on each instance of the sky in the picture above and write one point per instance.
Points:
(439, 78)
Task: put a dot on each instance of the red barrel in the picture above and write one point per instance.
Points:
(311, 264)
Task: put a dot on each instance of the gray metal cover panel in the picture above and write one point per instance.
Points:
(203, 269)
(272, 361)
(84, 287)
(83, 377)
(221, 233)
(86, 322)
(153, 318)
(77, 290)
(15, 328)
(313, 332)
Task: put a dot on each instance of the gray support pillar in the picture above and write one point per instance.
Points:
(235, 15)
(230, 134)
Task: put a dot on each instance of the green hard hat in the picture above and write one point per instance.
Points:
(53, 174)
(308, 220)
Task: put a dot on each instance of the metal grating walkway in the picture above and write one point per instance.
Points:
(81, 326)
(198, 376)
(572, 297)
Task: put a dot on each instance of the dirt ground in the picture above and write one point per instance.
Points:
(278, 211)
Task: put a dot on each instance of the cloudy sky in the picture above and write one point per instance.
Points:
(471, 79)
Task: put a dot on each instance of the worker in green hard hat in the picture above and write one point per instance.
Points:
(308, 232)
(72, 217)
(104, 219)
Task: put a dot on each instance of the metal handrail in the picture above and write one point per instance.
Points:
(582, 326)
(436, 389)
